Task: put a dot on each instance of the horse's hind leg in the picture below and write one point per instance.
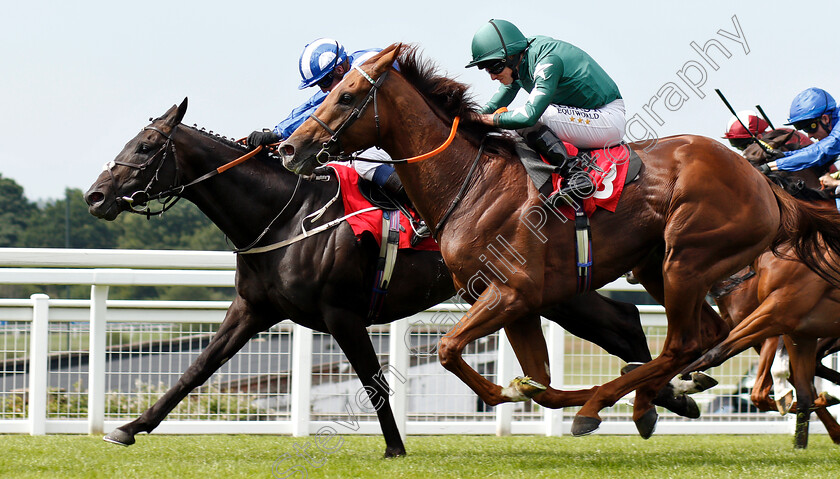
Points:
(692, 325)
(240, 325)
(616, 327)
(349, 331)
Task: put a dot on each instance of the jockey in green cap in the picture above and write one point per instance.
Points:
(571, 97)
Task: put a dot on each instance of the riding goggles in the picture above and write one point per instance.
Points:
(808, 126)
(326, 82)
(493, 67)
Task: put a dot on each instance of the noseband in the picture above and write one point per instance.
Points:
(324, 155)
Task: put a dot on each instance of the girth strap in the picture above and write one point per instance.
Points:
(385, 263)
(583, 250)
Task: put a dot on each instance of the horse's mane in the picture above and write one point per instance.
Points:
(216, 137)
(450, 97)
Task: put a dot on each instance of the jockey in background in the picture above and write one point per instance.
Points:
(571, 97)
(739, 138)
(323, 64)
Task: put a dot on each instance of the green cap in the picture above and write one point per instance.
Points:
(496, 40)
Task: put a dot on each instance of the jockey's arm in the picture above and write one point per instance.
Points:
(503, 97)
(820, 153)
(547, 74)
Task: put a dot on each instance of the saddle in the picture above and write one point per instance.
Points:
(607, 165)
(540, 172)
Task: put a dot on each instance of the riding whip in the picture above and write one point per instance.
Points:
(766, 118)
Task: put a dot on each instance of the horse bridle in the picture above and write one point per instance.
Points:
(324, 155)
(142, 197)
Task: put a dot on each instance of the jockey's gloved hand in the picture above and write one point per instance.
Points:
(774, 154)
(261, 138)
(763, 169)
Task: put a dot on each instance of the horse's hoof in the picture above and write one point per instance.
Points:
(583, 425)
(785, 403)
(647, 423)
(522, 388)
(683, 405)
(703, 381)
(118, 436)
(394, 452)
(692, 410)
(829, 399)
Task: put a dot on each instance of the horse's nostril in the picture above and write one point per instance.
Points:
(287, 150)
(94, 197)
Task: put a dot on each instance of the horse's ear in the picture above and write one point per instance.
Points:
(182, 110)
(782, 139)
(387, 56)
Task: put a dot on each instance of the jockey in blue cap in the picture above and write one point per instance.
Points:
(814, 112)
(323, 63)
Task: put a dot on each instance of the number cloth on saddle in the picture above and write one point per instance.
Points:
(371, 222)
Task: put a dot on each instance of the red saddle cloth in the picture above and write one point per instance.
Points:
(371, 221)
(608, 185)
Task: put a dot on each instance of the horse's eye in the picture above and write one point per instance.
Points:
(345, 99)
(143, 148)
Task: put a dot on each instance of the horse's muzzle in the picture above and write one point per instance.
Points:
(293, 162)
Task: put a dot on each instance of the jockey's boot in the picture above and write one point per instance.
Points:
(394, 187)
(576, 181)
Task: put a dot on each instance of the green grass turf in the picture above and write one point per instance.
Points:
(430, 457)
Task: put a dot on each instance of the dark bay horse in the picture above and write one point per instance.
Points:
(698, 214)
(323, 282)
(784, 298)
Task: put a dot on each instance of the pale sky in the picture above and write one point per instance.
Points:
(82, 78)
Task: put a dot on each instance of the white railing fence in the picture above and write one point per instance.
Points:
(90, 365)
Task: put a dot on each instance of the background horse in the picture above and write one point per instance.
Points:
(324, 282)
(697, 214)
(784, 298)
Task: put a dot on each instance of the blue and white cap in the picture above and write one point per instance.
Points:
(318, 59)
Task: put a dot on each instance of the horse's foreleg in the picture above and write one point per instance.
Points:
(527, 340)
(803, 360)
(349, 331)
(239, 325)
(497, 307)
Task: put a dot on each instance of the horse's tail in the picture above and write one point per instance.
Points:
(810, 229)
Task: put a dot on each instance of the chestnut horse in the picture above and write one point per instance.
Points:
(784, 298)
(323, 282)
(697, 214)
